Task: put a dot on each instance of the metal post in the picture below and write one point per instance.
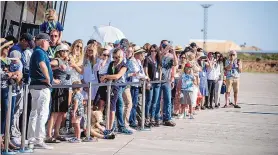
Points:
(23, 134)
(3, 18)
(60, 10)
(108, 104)
(36, 10)
(20, 20)
(143, 105)
(55, 5)
(64, 13)
(205, 6)
(8, 123)
(89, 111)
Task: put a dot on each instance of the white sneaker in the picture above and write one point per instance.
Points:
(180, 116)
(43, 146)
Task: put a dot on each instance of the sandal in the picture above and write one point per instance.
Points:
(52, 140)
(225, 106)
(61, 138)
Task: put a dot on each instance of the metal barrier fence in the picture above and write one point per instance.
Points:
(26, 89)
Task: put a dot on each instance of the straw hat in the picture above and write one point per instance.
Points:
(138, 49)
(5, 43)
(178, 48)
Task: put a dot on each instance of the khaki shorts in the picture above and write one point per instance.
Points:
(232, 83)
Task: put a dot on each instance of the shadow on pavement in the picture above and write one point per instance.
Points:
(272, 105)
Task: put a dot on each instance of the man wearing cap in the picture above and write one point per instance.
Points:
(40, 74)
(26, 41)
(233, 68)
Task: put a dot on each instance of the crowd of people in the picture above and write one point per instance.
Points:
(195, 81)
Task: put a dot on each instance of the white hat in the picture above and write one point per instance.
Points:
(15, 54)
(138, 49)
(62, 47)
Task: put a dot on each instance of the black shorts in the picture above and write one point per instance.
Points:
(60, 98)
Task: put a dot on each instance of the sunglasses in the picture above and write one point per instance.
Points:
(183, 57)
(64, 51)
(153, 51)
(106, 55)
(232, 55)
(54, 36)
(116, 58)
(78, 46)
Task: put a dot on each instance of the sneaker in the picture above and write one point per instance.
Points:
(110, 136)
(75, 140)
(43, 146)
(125, 131)
(180, 116)
(191, 117)
(216, 106)
(169, 123)
(237, 106)
(107, 132)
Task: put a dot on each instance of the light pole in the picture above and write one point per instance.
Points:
(205, 6)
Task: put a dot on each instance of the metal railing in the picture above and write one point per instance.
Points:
(26, 89)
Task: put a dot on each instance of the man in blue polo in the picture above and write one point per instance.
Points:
(40, 74)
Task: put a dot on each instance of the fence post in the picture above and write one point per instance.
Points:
(23, 134)
(8, 123)
(143, 105)
(108, 104)
(89, 111)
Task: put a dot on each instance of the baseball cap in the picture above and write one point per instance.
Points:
(15, 54)
(43, 36)
(187, 65)
(193, 44)
(62, 47)
(28, 37)
(117, 42)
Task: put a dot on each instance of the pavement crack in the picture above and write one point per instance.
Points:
(123, 146)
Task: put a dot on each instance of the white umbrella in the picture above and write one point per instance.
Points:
(105, 34)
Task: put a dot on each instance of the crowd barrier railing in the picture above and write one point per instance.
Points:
(26, 89)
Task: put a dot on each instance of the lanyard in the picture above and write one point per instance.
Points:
(50, 25)
(51, 52)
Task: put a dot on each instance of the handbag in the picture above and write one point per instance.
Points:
(223, 89)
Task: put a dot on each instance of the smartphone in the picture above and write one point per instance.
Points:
(203, 57)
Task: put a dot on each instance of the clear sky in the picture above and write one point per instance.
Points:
(255, 23)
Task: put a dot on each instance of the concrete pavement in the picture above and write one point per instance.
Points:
(253, 129)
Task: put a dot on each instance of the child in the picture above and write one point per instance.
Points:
(77, 112)
(51, 23)
(185, 90)
(96, 129)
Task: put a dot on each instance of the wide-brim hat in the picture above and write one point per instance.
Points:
(5, 43)
(178, 48)
(138, 49)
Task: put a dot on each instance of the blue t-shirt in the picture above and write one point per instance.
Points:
(234, 72)
(47, 26)
(16, 66)
(187, 82)
(36, 75)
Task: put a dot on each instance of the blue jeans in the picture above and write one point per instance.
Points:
(167, 103)
(4, 108)
(134, 94)
(120, 108)
(152, 100)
